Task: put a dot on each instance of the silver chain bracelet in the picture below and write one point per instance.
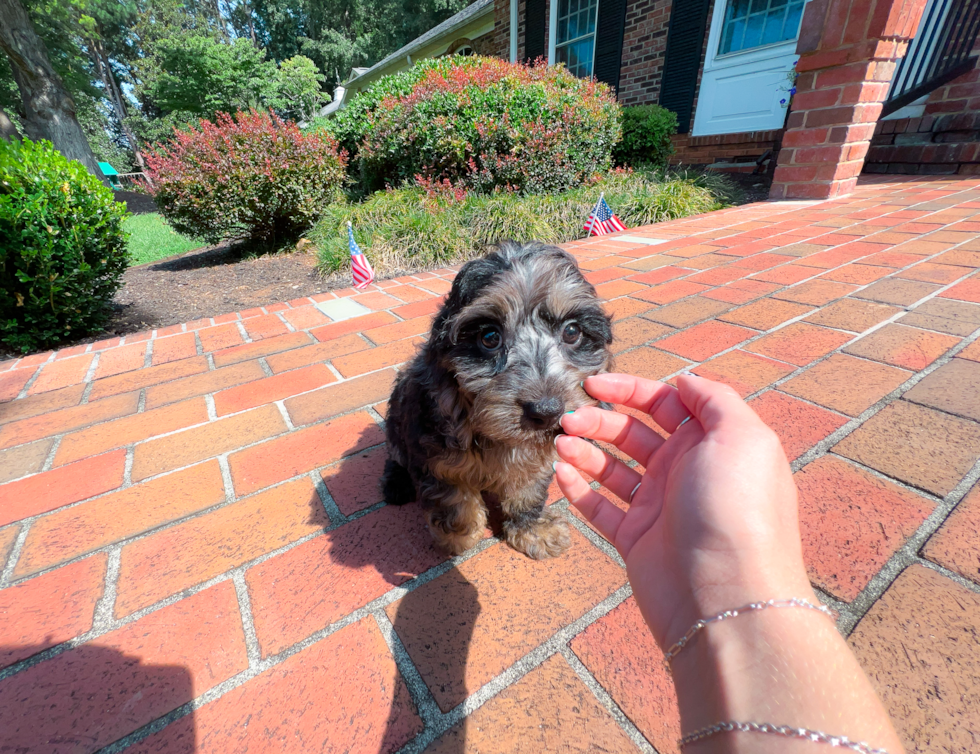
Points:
(804, 734)
(671, 653)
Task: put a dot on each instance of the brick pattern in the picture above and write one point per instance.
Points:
(203, 526)
(945, 140)
(848, 50)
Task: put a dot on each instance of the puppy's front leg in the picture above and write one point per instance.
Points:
(531, 528)
(456, 516)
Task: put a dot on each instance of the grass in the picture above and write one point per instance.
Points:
(410, 229)
(151, 238)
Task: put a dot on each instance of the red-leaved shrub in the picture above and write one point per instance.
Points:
(253, 176)
(484, 124)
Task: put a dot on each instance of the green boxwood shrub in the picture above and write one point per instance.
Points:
(646, 136)
(413, 228)
(483, 124)
(62, 247)
(252, 176)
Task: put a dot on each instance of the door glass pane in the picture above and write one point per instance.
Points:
(754, 23)
(575, 35)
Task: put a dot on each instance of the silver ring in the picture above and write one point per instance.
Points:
(635, 489)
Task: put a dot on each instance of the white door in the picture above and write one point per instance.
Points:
(751, 52)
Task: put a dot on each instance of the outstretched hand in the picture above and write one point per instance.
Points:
(713, 524)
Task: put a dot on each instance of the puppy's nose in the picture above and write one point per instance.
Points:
(544, 414)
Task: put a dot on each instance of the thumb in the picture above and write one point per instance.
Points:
(714, 404)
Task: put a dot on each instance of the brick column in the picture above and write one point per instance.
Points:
(848, 50)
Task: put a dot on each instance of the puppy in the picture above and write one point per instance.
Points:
(478, 408)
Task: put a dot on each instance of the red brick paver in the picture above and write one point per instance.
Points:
(195, 555)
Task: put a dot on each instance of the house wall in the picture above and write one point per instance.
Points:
(944, 141)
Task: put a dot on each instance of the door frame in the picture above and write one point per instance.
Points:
(714, 62)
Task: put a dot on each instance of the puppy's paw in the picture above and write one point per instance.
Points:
(458, 533)
(540, 538)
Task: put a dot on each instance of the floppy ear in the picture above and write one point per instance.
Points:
(471, 280)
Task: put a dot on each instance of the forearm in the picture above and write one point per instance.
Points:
(786, 666)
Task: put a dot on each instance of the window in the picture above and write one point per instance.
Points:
(575, 38)
(755, 23)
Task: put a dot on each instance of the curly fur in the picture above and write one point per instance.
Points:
(464, 419)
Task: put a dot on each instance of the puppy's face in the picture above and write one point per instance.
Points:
(521, 330)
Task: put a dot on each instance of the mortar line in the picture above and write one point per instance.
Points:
(425, 703)
(30, 382)
(909, 551)
(252, 648)
(606, 700)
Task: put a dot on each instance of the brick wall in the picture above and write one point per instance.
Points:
(644, 45)
(498, 41)
(848, 50)
(743, 147)
(944, 141)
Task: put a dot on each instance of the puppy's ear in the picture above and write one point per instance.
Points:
(471, 280)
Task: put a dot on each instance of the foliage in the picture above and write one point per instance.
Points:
(646, 136)
(62, 247)
(202, 76)
(483, 123)
(297, 94)
(349, 125)
(414, 228)
(252, 176)
(340, 34)
(151, 238)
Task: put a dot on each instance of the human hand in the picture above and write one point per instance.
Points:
(714, 523)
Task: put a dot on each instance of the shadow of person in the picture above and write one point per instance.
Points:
(433, 624)
(85, 698)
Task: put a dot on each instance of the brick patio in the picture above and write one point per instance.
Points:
(196, 556)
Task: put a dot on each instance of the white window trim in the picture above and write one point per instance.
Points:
(553, 32)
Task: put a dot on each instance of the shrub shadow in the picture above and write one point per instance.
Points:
(433, 623)
(86, 698)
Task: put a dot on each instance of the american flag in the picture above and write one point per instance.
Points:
(602, 220)
(359, 265)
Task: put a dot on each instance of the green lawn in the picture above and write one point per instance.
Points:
(152, 238)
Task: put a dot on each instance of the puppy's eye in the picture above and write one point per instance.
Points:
(490, 339)
(572, 333)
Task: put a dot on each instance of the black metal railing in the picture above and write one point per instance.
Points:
(941, 50)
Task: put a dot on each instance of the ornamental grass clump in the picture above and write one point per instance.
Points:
(418, 227)
(485, 124)
(62, 247)
(252, 176)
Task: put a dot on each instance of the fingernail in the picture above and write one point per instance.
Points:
(555, 441)
(689, 374)
(572, 411)
(554, 464)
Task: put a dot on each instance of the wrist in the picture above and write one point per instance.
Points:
(734, 669)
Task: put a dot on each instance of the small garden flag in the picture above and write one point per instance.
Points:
(602, 220)
(359, 265)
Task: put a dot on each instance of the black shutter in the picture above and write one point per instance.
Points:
(685, 38)
(535, 12)
(609, 41)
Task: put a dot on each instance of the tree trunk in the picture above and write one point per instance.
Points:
(48, 107)
(109, 82)
(8, 130)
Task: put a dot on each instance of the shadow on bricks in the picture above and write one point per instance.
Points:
(87, 697)
(434, 624)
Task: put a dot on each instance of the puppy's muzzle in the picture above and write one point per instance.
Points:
(545, 413)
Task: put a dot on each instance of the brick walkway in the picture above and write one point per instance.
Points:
(196, 556)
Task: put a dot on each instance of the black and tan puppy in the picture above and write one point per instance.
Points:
(478, 408)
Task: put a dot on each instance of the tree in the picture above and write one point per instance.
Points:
(297, 89)
(202, 76)
(48, 109)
